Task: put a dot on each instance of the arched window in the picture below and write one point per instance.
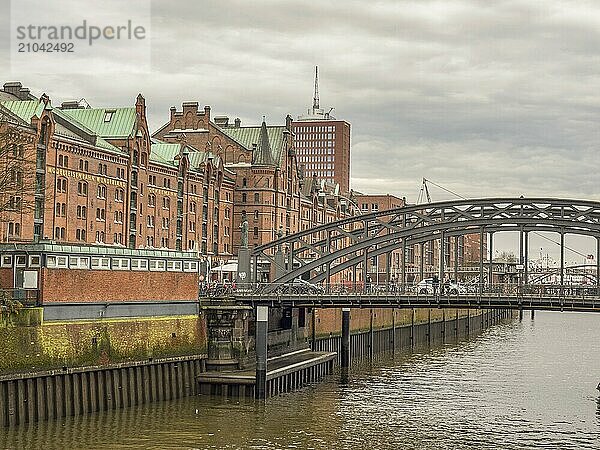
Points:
(82, 188)
(101, 191)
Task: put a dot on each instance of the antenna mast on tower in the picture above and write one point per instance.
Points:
(316, 97)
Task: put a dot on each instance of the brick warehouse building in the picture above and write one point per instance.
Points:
(103, 181)
(461, 252)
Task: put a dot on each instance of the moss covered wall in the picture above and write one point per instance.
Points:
(57, 344)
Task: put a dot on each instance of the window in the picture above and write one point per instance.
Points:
(82, 188)
(193, 207)
(256, 215)
(100, 237)
(227, 213)
(139, 264)
(150, 241)
(63, 161)
(101, 191)
(84, 165)
(6, 261)
(119, 195)
(192, 227)
(35, 261)
(60, 232)
(99, 263)
(244, 197)
(102, 169)
(118, 216)
(57, 262)
(14, 229)
(61, 185)
(120, 263)
(80, 234)
(190, 266)
(150, 221)
(61, 209)
(166, 203)
(374, 207)
(108, 116)
(118, 238)
(157, 265)
(120, 173)
(100, 214)
(174, 266)
(152, 200)
(244, 182)
(79, 262)
(256, 197)
(255, 232)
(81, 212)
(165, 223)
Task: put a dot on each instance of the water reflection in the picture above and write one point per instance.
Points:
(517, 386)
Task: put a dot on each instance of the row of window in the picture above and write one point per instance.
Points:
(99, 263)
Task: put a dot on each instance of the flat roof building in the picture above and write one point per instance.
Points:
(322, 144)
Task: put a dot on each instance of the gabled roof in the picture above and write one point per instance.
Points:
(121, 123)
(165, 153)
(24, 109)
(271, 152)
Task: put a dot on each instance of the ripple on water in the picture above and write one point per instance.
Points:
(517, 386)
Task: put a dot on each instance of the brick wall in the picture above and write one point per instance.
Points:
(67, 285)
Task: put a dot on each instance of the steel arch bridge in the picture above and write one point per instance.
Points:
(328, 249)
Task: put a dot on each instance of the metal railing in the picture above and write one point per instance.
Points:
(24, 297)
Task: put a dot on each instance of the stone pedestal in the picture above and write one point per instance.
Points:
(228, 340)
(244, 278)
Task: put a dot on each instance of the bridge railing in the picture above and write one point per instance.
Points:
(470, 290)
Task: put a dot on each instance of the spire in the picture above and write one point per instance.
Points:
(316, 96)
(263, 154)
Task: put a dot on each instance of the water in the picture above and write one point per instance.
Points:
(516, 386)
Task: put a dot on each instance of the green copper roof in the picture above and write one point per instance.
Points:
(24, 109)
(70, 133)
(120, 124)
(252, 135)
(165, 153)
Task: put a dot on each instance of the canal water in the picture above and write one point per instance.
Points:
(515, 386)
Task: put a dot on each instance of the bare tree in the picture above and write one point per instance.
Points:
(17, 172)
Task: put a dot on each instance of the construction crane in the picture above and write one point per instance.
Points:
(424, 193)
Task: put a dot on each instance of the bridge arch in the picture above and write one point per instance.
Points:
(345, 244)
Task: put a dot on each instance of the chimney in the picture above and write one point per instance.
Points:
(207, 113)
(172, 111)
(72, 104)
(23, 94)
(222, 121)
(13, 88)
(238, 122)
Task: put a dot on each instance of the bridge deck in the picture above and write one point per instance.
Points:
(469, 301)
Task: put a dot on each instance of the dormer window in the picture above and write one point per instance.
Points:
(108, 115)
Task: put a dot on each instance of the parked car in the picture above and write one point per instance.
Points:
(300, 286)
(451, 287)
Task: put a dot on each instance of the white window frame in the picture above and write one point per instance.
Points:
(32, 259)
(7, 261)
(57, 262)
(190, 266)
(120, 263)
(79, 262)
(20, 260)
(158, 265)
(174, 266)
(139, 264)
(100, 263)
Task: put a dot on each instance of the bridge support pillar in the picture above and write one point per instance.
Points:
(345, 348)
(262, 325)
(227, 337)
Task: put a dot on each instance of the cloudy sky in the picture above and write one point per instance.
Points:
(484, 98)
